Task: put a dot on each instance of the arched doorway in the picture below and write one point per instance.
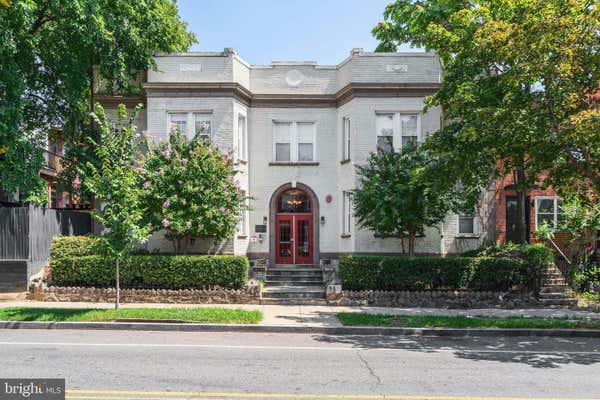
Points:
(294, 232)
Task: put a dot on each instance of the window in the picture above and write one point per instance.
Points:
(178, 121)
(548, 209)
(408, 128)
(282, 136)
(202, 126)
(466, 224)
(345, 139)
(397, 130)
(385, 132)
(346, 213)
(294, 141)
(242, 138)
(242, 227)
(305, 134)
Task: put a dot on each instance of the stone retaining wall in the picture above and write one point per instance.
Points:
(250, 294)
(434, 298)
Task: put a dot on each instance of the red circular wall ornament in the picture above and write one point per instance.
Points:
(328, 198)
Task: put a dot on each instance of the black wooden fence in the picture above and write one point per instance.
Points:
(26, 232)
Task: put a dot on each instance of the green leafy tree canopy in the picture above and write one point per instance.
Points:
(48, 53)
(401, 193)
(517, 84)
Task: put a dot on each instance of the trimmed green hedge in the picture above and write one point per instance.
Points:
(422, 273)
(152, 271)
(74, 246)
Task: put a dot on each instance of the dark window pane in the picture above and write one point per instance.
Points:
(545, 217)
(305, 152)
(408, 139)
(545, 206)
(466, 224)
(282, 152)
(385, 143)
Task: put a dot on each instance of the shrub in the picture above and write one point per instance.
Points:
(419, 273)
(152, 271)
(74, 246)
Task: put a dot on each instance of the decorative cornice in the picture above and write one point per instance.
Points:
(353, 90)
(200, 89)
(245, 96)
(112, 101)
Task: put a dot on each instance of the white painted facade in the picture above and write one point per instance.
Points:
(233, 93)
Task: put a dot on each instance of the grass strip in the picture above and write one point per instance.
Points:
(430, 321)
(196, 314)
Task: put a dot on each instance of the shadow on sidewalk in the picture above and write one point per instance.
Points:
(536, 352)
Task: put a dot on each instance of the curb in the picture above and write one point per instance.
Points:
(341, 330)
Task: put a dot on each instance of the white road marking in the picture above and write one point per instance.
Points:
(259, 347)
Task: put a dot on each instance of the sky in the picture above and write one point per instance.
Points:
(284, 30)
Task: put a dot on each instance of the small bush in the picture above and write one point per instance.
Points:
(74, 246)
(420, 273)
(152, 271)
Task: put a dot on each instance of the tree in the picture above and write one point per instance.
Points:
(50, 50)
(518, 75)
(115, 183)
(190, 191)
(401, 193)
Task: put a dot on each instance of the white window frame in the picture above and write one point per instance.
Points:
(294, 141)
(207, 117)
(397, 126)
(475, 225)
(242, 137)
(555, 199)
(191, 122)
(346, 213)
(346, 139)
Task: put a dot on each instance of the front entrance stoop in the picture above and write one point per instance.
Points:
(293, 284)
(555, 292)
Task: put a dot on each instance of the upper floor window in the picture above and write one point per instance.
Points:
(548, 209)
(201, 124)
(397, 130)
(294, 141)
(178, 121)
(242, 138)
(345, 138)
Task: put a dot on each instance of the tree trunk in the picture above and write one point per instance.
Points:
(411, 242)
(522, 236)
(117, 284)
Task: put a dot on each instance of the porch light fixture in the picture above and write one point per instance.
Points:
(322, 220)
(265, 220)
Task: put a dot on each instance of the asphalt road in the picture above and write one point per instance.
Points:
(180, 365)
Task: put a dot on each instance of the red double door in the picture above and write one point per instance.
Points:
(294, 233)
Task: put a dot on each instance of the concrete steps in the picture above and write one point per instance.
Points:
(293, 284)
(555, 292)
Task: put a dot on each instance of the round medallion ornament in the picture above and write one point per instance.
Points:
(328, 198)
(294, 78)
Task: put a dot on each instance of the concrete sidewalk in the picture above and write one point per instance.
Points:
(325, 316)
